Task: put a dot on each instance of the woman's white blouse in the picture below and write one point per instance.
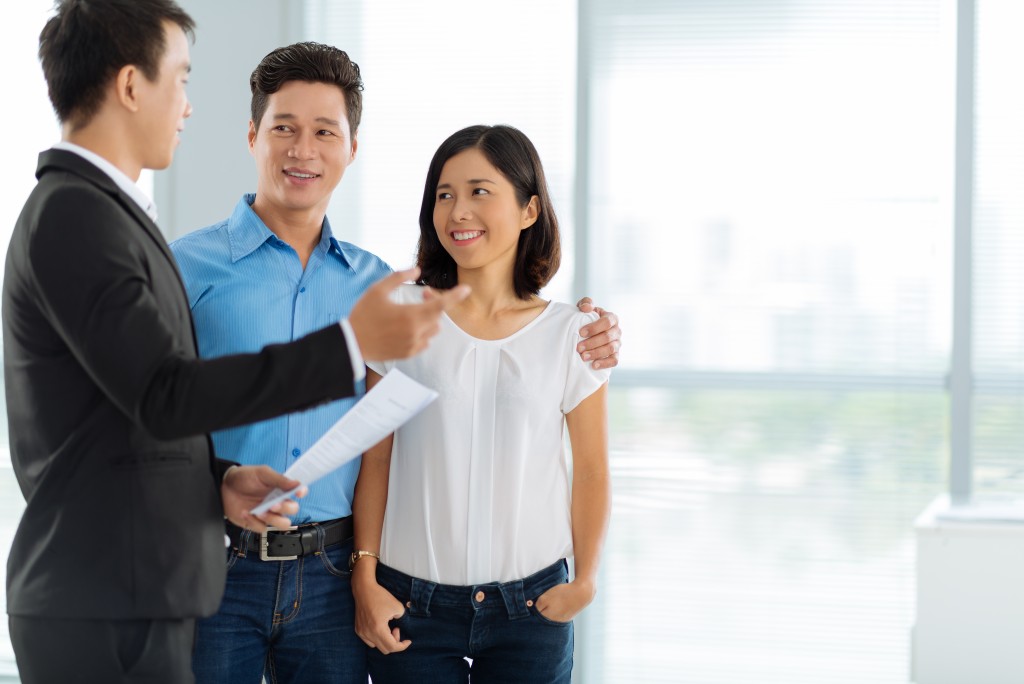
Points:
(479, 489)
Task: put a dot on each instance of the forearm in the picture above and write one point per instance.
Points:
(192, 396)
(369, 505)
(591, 509)
(591, 482)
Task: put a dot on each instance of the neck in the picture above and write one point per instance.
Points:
(299, 228)
(492, 290)
(97, 138)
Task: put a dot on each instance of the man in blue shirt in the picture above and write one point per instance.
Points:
(270, 273)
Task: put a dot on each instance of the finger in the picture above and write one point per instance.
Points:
(607, 362)
(386, 641)
(585, 305)
(278, 521)
(608, 315)
(392, 281)
(251, 522)
(286, 508)
(401, 645)
(446, 300)
(272, 478)
(599, 326)
(592, 344)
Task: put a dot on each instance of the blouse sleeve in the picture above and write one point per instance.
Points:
(582, 380)
(404, 294)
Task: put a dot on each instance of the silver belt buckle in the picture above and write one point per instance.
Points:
(264, 544)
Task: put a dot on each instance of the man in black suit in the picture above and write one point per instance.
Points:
(121, 545)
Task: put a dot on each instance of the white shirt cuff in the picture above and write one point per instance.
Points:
(358, 367)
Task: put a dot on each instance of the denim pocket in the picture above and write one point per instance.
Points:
(329, 565)
(548, 621)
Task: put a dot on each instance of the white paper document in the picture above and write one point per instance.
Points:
(391, 402)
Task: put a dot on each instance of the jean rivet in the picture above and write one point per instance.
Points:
(408, 604)
(479, 597)
(529, 604)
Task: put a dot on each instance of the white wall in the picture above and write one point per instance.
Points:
(212, 167)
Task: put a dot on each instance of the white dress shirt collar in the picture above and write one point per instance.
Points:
(126, 184)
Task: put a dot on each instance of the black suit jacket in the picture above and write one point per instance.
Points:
(108, 408)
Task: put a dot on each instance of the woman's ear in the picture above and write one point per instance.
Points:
(530, 213)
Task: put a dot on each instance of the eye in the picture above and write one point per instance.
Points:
(444, 196)
(282, 129)
(481, 191)
(324, 132)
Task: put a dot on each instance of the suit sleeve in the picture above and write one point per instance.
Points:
(95, 285)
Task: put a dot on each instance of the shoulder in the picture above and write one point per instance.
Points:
(362, 260)
(200, 239)
(66, 211)
(204, 243)
(202, 254)
(569, 317)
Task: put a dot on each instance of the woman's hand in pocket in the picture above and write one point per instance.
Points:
(563, 602)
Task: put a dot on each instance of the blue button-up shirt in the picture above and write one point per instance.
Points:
(247, 289)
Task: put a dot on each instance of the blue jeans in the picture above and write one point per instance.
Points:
(292, 621)
(496, 626)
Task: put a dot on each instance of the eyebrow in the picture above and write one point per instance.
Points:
(470, 181)
(285, 116)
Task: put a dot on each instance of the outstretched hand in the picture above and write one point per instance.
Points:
(386, 330)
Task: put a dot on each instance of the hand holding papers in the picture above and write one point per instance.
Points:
(391, 402)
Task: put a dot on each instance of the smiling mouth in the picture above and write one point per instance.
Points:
(467, 235)
(303, 175)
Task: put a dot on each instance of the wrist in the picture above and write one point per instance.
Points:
(362, 556)
(586, 587)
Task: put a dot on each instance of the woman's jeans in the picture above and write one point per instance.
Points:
(492, 630)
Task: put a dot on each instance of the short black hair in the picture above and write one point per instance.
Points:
(313, 63)
(538, 252)
(87, 42)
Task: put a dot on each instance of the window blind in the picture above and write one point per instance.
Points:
(769, 189)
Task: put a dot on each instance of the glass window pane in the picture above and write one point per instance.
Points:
(999, 252)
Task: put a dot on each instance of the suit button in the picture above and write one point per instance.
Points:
(296, 452)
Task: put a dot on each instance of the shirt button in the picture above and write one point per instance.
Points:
(302, 289)
(479, 597)
(295, 452)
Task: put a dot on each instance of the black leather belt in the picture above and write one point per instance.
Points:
(278, 545)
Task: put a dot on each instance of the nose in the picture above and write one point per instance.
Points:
(461, 211)
(302, 147)
(188, 110)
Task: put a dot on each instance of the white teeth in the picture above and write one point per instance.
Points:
(467, 236)
(300, 175)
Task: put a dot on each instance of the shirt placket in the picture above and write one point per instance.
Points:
(481, 466)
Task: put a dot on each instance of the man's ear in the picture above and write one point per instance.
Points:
(252, 137)
(355, 146)
(126, 87)
(530, 213)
